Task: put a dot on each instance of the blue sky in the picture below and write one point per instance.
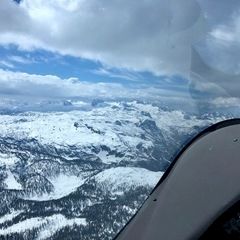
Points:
(65, 66)
(97, 48)
(41, 62)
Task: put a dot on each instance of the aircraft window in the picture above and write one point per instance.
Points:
(96, 100)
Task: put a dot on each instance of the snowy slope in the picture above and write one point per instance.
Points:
(51, 225)
(85, 172)
(120, 179)
(63, 185)
(11, 182)
(97, 126)
(8, 159)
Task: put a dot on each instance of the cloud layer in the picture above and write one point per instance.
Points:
(32, 85)
(153, 35)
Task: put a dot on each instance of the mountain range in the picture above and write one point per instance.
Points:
(83, 173)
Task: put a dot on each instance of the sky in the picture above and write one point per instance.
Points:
(138, 49)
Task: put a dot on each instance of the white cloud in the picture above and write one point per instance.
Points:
(18, 83)
(19, 59)
(226, 102)
(229, 33)
(223, 35)
(223, 44)
(32, 85)
(139, 35)
(118, 73)
(7, 64)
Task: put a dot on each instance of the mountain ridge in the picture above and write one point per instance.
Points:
(98, 165)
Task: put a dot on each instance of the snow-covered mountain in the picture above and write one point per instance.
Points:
(82, 174)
